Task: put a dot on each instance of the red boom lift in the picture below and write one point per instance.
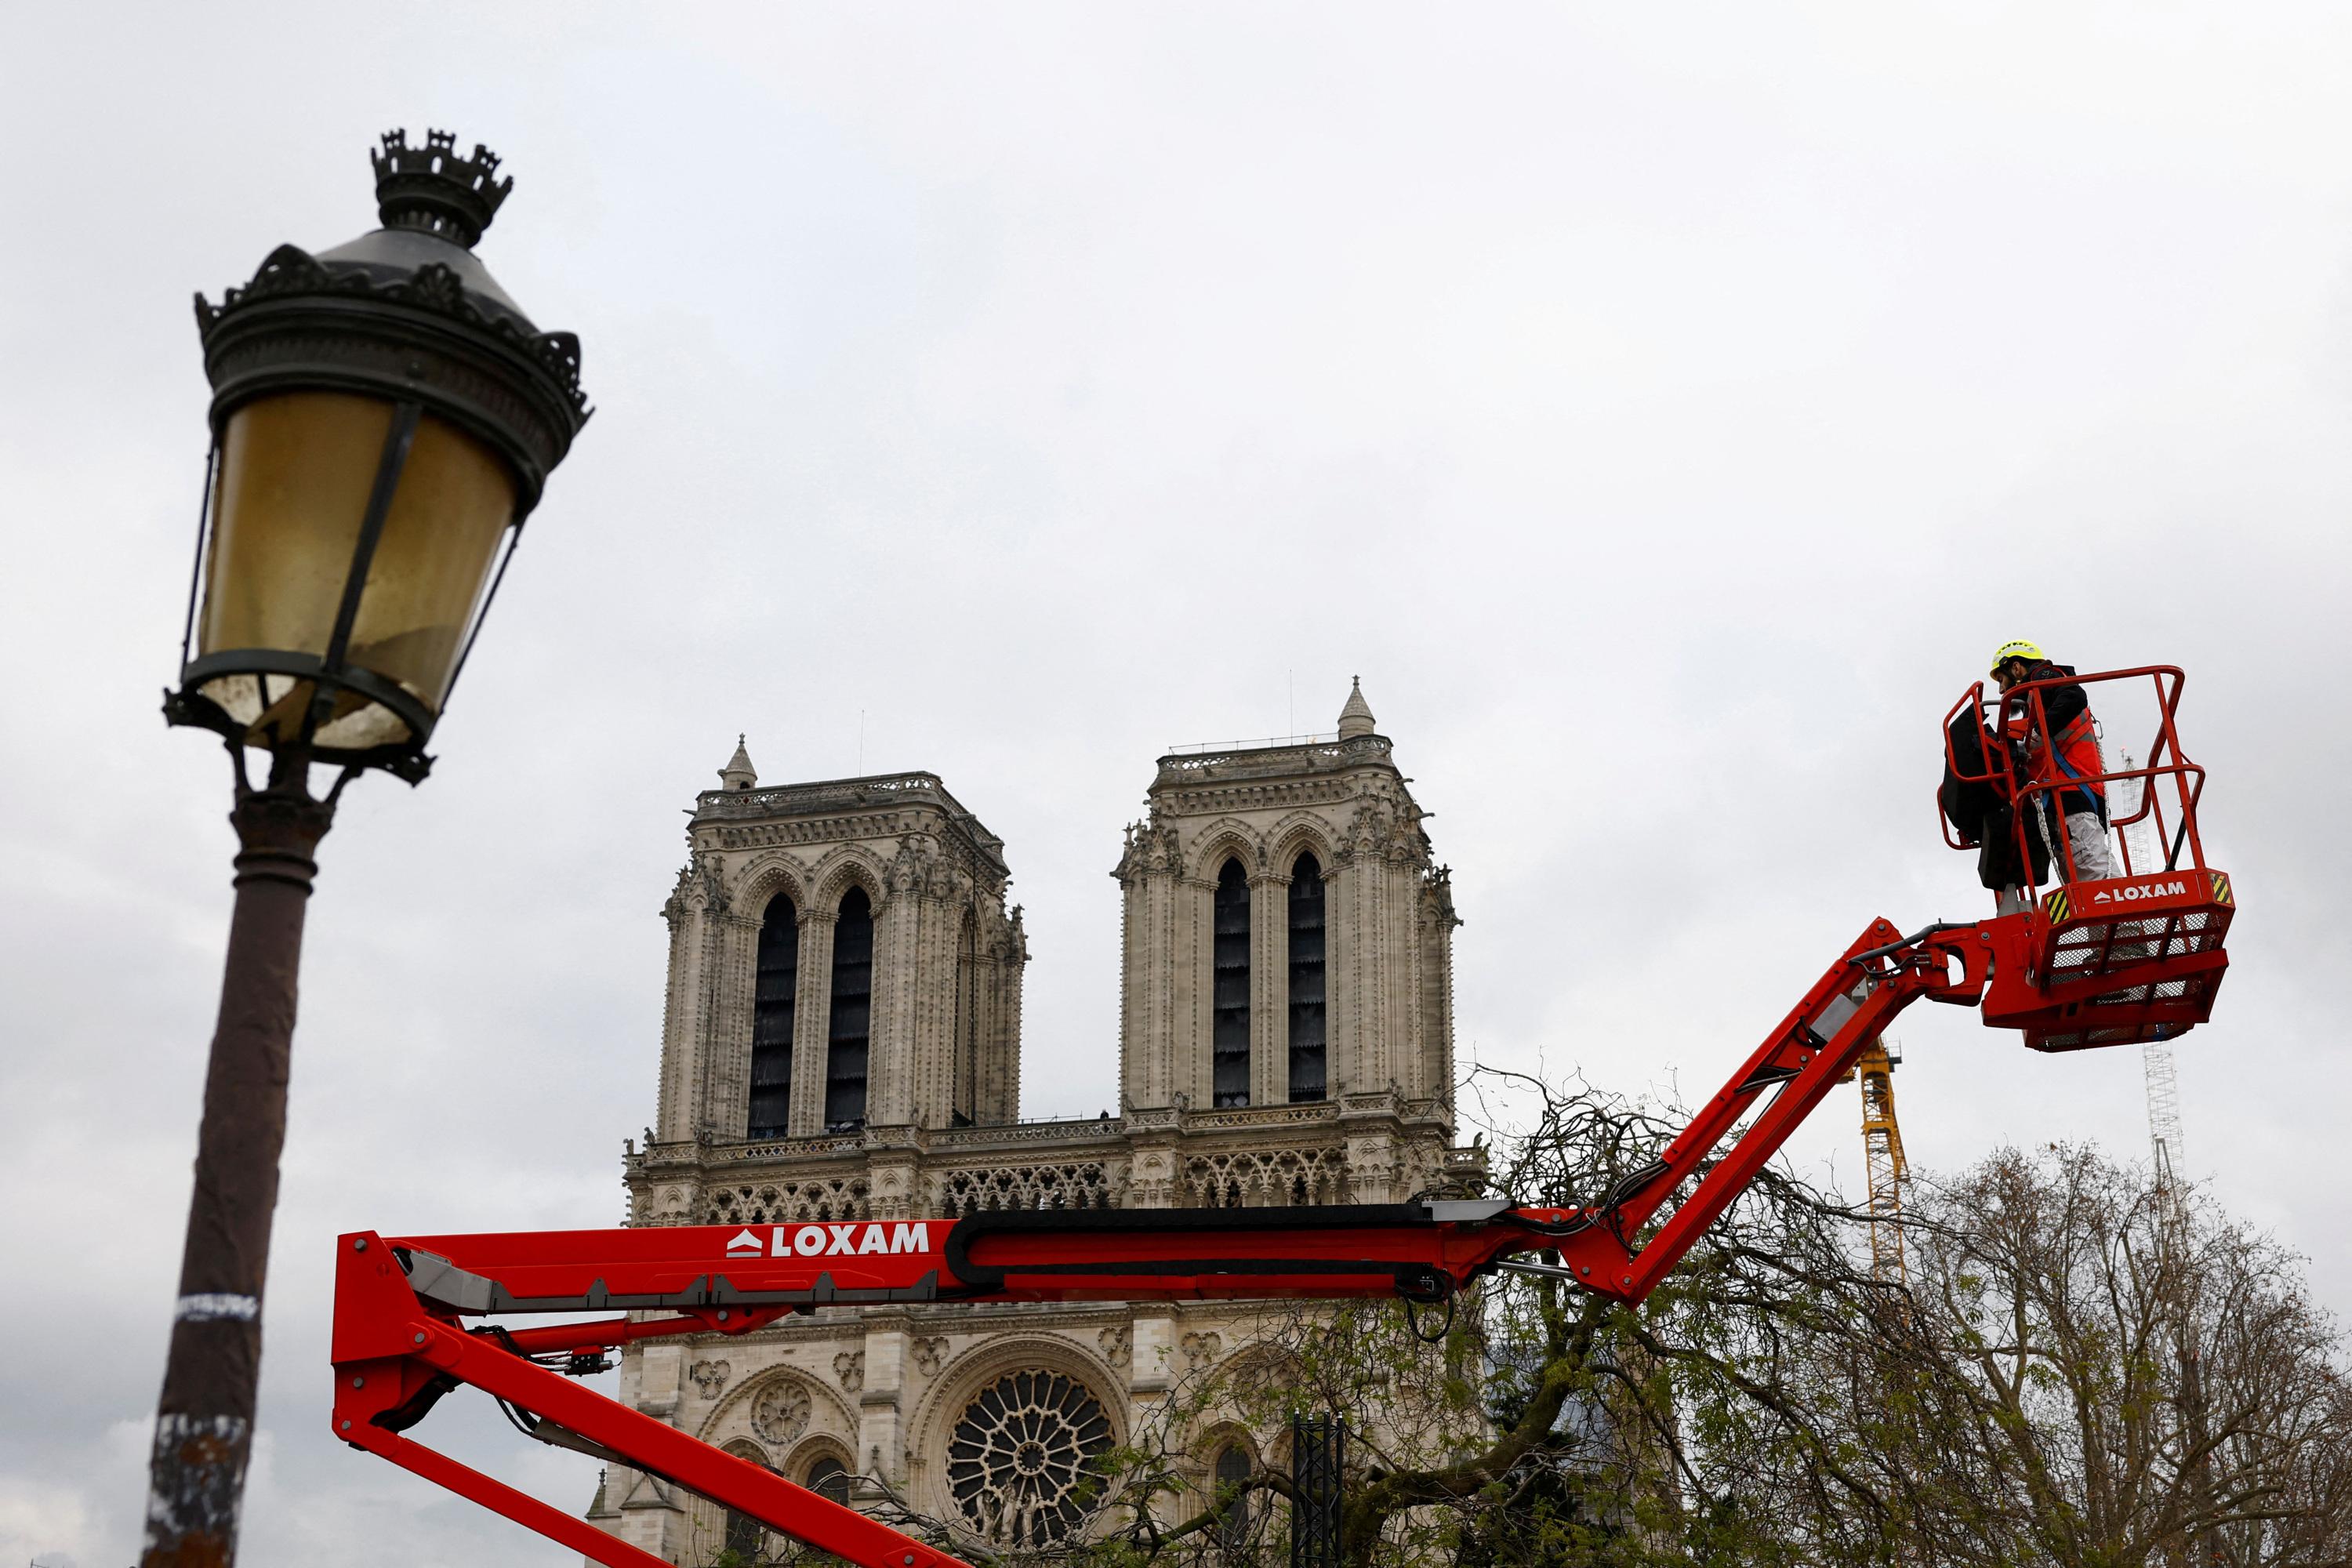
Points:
(2131, 958)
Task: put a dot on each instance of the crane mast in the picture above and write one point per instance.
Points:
(2163, 1082)
(1882, 1157)
(2169, 1153)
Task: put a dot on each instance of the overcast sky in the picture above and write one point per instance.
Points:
(1664, 416)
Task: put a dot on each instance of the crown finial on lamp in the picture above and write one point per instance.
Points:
(432, 189)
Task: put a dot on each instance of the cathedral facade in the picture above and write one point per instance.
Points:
(842, 1040)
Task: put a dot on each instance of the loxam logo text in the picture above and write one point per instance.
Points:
(2139, 890)
(854, 1239)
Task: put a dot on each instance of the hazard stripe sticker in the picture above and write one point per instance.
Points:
(2055, 905)
(2220, 889)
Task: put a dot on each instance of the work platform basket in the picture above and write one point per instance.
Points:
(2115, 960)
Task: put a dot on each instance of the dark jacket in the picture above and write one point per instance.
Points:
(1967, 801)
(1979, 811)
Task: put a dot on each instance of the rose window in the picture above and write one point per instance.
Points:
(779, 1412)
(1018, 1462)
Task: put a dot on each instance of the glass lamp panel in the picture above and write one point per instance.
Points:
(439, 542)
(295, 477)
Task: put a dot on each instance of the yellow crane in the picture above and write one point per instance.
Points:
(1882, 1157)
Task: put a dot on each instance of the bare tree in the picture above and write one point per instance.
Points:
(2080, 1372)
(2083, 1373)
(1530, 1424)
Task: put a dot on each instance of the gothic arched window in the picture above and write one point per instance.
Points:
(746, 1539)
(851, 1020)
(778, 988)
(1230, 1039)
(964, 1088)
(1232, 1472)
(1306, 1064)
(829, 1479)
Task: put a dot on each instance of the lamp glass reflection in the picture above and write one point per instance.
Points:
(296, 471)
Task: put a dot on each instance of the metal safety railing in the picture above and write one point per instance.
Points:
(2022, 759)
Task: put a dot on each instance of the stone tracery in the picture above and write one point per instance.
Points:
(783, 1203)
(780, 1410)
(1076, 1184)
(1260, 1178)
(1020, 1455)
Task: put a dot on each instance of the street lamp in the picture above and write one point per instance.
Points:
(383, 418)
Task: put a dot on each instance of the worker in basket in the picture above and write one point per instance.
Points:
(2068, 757)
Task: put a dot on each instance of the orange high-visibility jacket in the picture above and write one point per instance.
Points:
(2075, 754)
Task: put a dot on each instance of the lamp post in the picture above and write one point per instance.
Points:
(383, 418)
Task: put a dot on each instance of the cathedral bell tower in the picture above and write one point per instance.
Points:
(840, 957)
(1289, 938)
(842, 1042)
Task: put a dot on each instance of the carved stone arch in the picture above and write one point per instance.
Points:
(1218, 1431)
(739, 1415)
(1211, 1438)
(1297, 832)
(818, 1445)
(1228, 837)
(745, 1448)
(725, 1529)
(844, 867)
(978, 1369)
(763, 877)
(1261, 1365)
(1249, 1370)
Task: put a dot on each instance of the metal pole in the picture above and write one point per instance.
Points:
(203, 1423)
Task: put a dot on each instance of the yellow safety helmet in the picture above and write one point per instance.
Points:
(2009, 650)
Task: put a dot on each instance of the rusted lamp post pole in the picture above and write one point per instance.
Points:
(383, 420)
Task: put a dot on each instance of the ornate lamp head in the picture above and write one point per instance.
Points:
(384, 417)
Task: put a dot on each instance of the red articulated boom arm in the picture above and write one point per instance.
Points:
(401, 1302)
(2126, 959)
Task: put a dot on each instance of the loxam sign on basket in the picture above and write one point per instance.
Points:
(2139, 890)
(851, 1240)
